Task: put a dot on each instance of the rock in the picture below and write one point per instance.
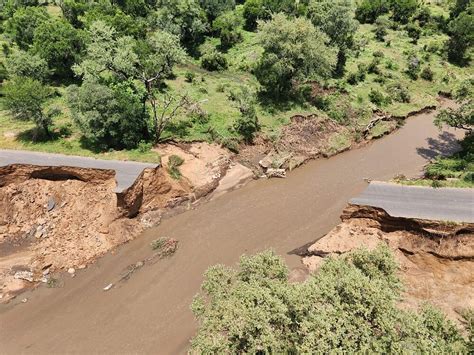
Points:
(108, 287)
(266, 162)
(24, 300)
(46, 272)
(24, 275)
(51, 204)
(279, 173)
(81, 267)
(71, 270)
(139, 264)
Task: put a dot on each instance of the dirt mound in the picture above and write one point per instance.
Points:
(304, 138)
(60, 218)
(436, 259)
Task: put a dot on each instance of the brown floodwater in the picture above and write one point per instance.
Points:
(150, 312)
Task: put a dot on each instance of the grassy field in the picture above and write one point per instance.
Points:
(213, 93)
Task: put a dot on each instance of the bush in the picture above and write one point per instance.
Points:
(213, 60)
(228, 27)
(255, 309)
(369, 10)
(403, 10)
(109, 117)
(413, 67)
(189, 76)
(399, 93)
(25, 99)
(174, 162)
(382, 25)
(414, 32)
(427, 74)
(377, 97)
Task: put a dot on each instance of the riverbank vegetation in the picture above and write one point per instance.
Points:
(456, 170)
(114, 78)
(349, 305)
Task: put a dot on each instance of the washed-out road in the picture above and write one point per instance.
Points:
(126, 172)
(150, 312)
(439, 204)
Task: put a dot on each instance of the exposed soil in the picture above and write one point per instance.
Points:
(436, 259)
(58, 218)
(47, 222)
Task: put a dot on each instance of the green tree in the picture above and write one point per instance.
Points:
(462, 36)
(403, 10)
(461, 117)
(184, 18)
(149, 62)
(228, 27)
(294, 51)
(247, 124)
(109, 117)
(212, 59)
(336, 19)
(349, 306)
(59, 44)
(214, 8)
(22, 25)
(25, 99)
(253, 11)
(369, 10)
(26, 64)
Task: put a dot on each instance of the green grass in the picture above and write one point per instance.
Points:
(454, 171)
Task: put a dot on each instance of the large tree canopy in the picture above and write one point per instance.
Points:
(349, 306)
(294, 51)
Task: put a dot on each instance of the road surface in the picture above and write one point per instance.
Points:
(150, 312)
(126, 172)
(442, 204)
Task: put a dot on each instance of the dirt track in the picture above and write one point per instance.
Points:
(150, 312)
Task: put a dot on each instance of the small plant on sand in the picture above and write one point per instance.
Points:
(174, 162)
(164, 246)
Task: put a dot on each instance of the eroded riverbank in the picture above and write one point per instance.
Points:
(150, 313)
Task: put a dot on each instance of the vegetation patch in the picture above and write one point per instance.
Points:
(253, 308)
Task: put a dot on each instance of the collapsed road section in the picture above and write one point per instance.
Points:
(126, 172)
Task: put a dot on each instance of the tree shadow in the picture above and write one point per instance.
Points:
(37, 135)
(445, 144)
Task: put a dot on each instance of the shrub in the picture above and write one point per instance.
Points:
(427, 74)
(413, 31)
(109, 117)
(413, 67)
(381, 28)
(403, 10)
(377, 97)
(399, 93)
(189, 76)
(213, 60)
(228, 27)
(174, 162)
(25, 99)
(255, 309)
(369, 10)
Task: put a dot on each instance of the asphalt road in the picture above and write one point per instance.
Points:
(442, 204)
(126, 172)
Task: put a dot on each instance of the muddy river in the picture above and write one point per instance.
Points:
(150, 312)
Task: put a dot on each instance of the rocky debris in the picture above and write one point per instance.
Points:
(51, 204)
(24, 275)
(436, 259)
(276, 173)
(108, 287)
(71, 271)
